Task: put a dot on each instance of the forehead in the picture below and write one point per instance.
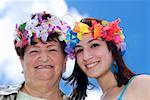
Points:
(87, 38)
(45, 44)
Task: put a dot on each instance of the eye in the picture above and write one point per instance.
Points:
(77, 51)
(33, 51)
(52, 50)
(95, 45)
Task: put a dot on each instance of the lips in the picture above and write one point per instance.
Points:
(44, 67)
(93, 64)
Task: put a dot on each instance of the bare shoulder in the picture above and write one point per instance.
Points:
(142, 79)
(140, 86)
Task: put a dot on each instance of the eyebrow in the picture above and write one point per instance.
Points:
(87, 42)
(51, 45)
(77, 46)
(54, 43)
(34, 46)
(92, 40)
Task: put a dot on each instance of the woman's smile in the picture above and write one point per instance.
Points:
(93, 64)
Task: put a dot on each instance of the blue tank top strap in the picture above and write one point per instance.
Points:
(124, 89)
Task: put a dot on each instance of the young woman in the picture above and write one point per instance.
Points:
(98, 47)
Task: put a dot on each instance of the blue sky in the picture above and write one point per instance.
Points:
(135, 21)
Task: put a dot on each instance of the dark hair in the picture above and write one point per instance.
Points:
(79, 79)
(51, 37)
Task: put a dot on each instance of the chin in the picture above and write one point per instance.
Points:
(93, 75)
(45, 76)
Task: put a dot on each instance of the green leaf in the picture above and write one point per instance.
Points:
(22, 27)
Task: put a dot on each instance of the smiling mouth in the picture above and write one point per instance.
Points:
(92, 64)
(44, 67)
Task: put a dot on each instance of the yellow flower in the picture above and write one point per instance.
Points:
(80, 29)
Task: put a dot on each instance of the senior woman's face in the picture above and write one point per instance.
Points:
(43, 62)
(93, 56)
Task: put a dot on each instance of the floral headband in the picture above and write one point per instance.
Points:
(40, 28)
(110, 31)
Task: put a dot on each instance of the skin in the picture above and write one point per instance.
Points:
(94, 56)
(43, 65)
(95, 60)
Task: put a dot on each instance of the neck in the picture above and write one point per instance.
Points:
(43, 91)
(107, 81)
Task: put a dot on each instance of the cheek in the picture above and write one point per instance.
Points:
(79, 56)
(81, 64)
(107, 59)
(104, 55)
(29, 62)
(79, 59)
(26, 65)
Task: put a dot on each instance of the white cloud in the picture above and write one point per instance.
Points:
(9, 64)
(39, 7)
(5, 38)
(2, 4)
(58, 7)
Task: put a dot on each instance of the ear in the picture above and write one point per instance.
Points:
(21, 61)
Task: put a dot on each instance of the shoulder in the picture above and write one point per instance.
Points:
(140, 85)
(142, 79)
(6, 90)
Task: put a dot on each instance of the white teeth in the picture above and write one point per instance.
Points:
(91, 65)
(44, 67)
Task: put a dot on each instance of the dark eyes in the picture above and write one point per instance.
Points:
(94, 45)
(78, 51)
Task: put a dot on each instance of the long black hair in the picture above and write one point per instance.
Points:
(79, 79)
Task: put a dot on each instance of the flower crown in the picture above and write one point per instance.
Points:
(110, 31)
(39, 27)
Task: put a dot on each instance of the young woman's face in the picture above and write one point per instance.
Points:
(93, 56)
(43, 62)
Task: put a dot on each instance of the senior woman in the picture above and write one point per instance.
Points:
(40, 45)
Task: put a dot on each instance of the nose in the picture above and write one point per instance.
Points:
(43, 57)
(87, 54)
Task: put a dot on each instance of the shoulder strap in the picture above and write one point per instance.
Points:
(124, 89)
